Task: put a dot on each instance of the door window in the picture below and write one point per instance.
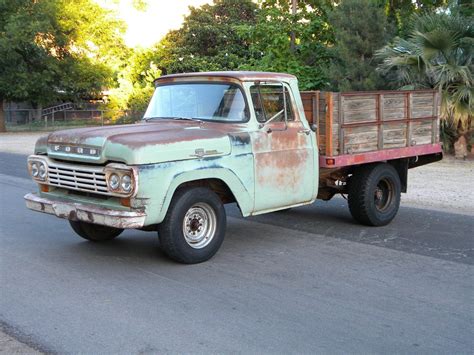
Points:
(269, 100)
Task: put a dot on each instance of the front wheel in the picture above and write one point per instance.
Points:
(95, 232)
(194, 227)
(374, 194)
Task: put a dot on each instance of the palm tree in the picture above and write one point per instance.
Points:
(437, 54)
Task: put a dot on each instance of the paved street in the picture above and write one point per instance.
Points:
(302, 281)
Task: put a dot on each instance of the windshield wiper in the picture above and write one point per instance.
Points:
(174, 118)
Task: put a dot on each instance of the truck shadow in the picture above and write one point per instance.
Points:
(436, 234)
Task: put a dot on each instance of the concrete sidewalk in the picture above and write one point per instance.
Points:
(19, 143)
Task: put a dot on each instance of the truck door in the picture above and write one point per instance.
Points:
(283, 151)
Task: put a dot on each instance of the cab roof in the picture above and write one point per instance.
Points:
(236, 75)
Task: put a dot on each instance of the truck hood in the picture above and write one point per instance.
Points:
(143, 143)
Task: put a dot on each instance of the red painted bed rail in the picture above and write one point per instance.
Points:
(378, 155)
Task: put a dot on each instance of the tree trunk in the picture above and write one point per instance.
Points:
(293, 35)
(460, 148)
(3, 128)
(38, 112)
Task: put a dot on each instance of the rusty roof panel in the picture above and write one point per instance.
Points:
(236, 75)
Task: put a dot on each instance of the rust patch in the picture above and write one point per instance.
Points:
(282, 170)
(280, 157)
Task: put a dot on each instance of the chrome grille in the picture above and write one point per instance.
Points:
(81, 178)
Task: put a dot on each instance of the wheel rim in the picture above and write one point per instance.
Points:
(199, 225)
(383, 194)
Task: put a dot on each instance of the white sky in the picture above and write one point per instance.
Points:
(148, 27)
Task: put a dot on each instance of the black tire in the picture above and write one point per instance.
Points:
(374, 194)
(95, 232)
(199, 238)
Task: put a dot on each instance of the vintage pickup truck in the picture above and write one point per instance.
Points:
(250, 138)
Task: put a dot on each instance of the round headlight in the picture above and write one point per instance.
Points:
(126, 183)
(34, 169)
(42, 171)
(114, 181)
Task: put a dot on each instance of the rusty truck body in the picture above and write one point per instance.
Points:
(250, 138)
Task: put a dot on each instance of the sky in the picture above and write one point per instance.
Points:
(148, 27)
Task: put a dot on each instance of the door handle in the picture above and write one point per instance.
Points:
(304, 131)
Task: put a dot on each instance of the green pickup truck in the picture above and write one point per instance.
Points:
(250, 138)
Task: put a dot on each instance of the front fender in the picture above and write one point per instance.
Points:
(159, 184)
(234, 184)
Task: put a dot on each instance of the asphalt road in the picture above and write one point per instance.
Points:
(303, 281)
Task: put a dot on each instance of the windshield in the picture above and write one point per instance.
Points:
(200, 101)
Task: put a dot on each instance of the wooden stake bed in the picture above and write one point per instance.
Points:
(363, 127)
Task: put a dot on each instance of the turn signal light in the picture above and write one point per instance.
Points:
(44, 188)
(125, 202)
(330, 161)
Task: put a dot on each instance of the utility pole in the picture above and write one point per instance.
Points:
(293, 35)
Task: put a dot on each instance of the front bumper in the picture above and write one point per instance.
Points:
(86, 213)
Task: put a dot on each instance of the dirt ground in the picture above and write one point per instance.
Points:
(447, 185)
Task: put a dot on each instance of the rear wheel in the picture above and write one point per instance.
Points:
(194, 227)
(374, 194)
(95, 232)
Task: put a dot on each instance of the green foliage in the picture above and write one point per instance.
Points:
(135, 83)
(273, 49)
(360, 28)
(400, 11)
(54, 50)
(437, 54)
(208, 39)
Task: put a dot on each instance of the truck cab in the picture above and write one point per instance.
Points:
(206, 139)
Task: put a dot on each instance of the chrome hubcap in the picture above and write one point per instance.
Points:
(199, 225)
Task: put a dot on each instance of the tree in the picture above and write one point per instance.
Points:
(208, 38)
(400, 11)
(54, 50)
(360, 28)
(135, 83)
(437, 54)
(284, 40)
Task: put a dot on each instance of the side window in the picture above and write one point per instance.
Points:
(268, 101)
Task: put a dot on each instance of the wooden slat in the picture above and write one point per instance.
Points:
(434, 125)
(380, 118)
(340, 120)
(395, 135)
(329, 119)
(408, 111)
(315, 106)
(360, 139)
(421, 132)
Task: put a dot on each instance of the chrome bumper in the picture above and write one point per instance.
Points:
(86, 213)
